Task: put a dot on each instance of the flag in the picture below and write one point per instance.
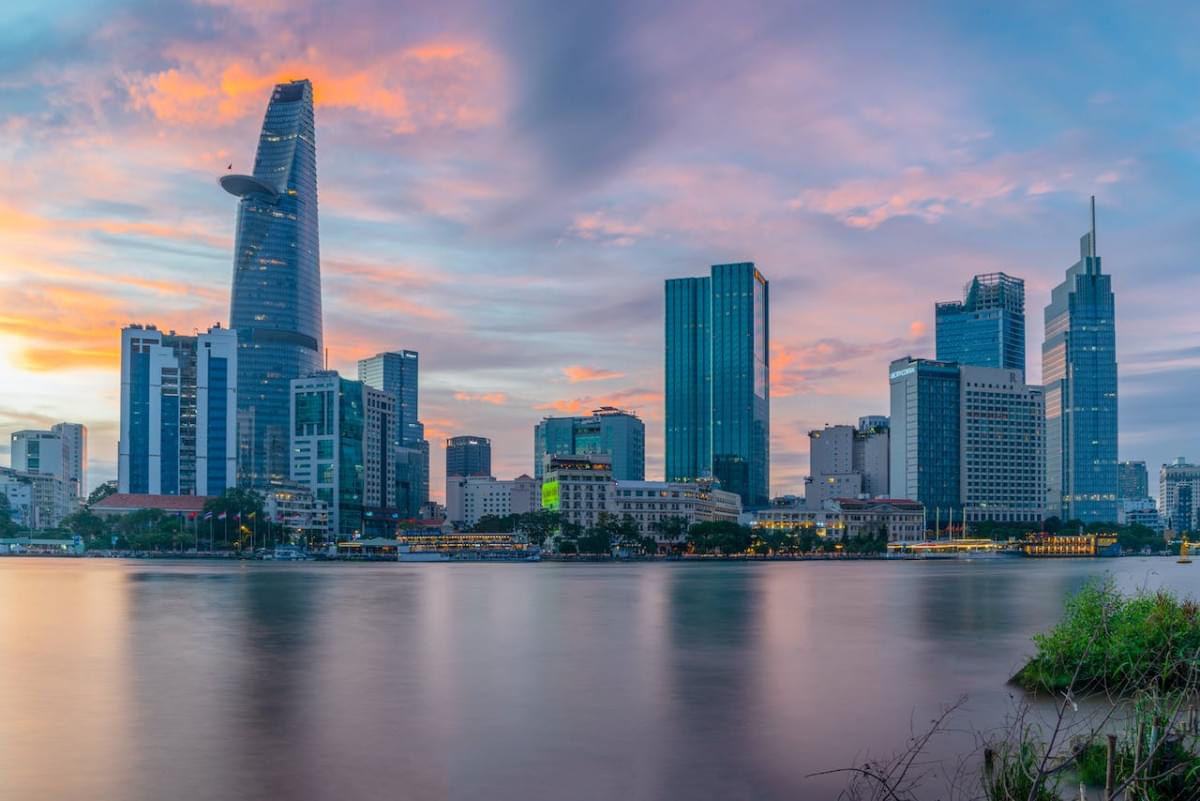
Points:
(221, 516)
(238, 517)
(251, 515)
(208, 515)
(192, 516)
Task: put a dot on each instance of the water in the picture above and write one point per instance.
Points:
(143, 680)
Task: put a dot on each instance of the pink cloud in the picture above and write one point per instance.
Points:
(577, 373)
(494, 398)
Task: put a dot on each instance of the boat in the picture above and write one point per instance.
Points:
(1184, 559)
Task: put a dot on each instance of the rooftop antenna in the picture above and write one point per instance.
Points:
(1093, 226)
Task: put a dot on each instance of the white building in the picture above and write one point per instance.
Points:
(848, 462)
(178, 412)
(650, 503)
(296, 509)
(1141, 512)
(901, 520)
(37, 500)
(481, 496)
(1179, 495)
(577, 487)
(60, 452)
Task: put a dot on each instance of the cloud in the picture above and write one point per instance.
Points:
(577, 373)
(494, 398)
(644, 402)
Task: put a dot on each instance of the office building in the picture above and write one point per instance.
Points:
(381, 433)
(39, 452)
(1179, 495)
(577, 487)
(717, 380)
(178, 412)
(37, 500)
(1079, 370)
(618, 433)
(1133, 481)
(329, 444)
(652, 503)
(1003, 456)
(397, 372)
(848, 462)
(75, 455)
(987, 327)
(465, 456)
(483, 496)
(926, 437)
(276, 299)
(1140, 512)
(302, 515)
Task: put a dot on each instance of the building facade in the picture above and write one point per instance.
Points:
(37, 500)
(178, 412)
(652, 503)
(1140, 512)
(1133, 481)
(1179, 495)
(276, 298)
(846, 462)
(484, 495)
(328, 447)
(398, 372)
(900, 520)
(987, 327)
(303, 516)
(924, 462)
(1079, 369)
(620, 434)
(717, 348)
(577, 487)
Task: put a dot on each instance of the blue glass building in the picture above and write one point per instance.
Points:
(397, 373)
(618, 433)
(987, 327)
(926, 448)
(276, 300)
(1079, 370)
(717, 380)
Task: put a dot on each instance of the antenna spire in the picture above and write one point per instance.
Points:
(1093, 226)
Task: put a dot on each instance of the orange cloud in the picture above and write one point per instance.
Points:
(577, 373)
(644, 402)
(432, 85)
(494, 398)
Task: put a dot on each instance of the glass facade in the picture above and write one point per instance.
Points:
(717, 343)
(276, 301)
(925, 462)
(397, 373)
(986, 328)
(468, 456)
(617, 433)
(1079, 370)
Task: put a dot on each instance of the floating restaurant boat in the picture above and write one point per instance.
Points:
(455, 547)
(1058, 545)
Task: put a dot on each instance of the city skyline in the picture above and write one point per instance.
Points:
(896, 206)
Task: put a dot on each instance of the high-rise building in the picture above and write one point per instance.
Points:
(397, 372)
(1133, 481)
(925, 443)
(847, 462)
(178, 412)
(618, 433)
(38, 452)
(577, 487)
(276, 299)
(717, 380)
(1179, 495)
(466, 456)
(37, 500)
(75, 455)
(987, 327)
(484, 496)
(329, 425)
(1079, 369)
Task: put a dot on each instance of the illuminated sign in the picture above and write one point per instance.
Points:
(901, 373)
(550, 499)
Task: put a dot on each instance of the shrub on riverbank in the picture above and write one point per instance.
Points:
(1118, 643)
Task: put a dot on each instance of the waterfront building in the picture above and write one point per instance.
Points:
(328, 447)
(40, 452)
(1179, 495)
(1141, 512)
(294, 507)
(651, 503)
(74, 437)
(987, 327)
(178, 412)
(901, 520)
(846, 462)
(1079, 369)
(37, 500)
(925, 444)
(465, 456)
(411, 477)
(380, 448)
(577, 487)
(398, 373)
(618, 433)
(122, 503)
(482, 496)
(967, 442)
(1133, 481)
(717, 380)
(276, 298)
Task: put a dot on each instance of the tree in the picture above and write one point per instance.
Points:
(671, 529)
(244, 516)
(7, 527)
(539, 525)
(91, 527)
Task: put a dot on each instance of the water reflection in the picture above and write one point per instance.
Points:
(146, 681)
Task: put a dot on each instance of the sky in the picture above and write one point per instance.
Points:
(505, 186)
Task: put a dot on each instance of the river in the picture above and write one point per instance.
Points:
(147, 680)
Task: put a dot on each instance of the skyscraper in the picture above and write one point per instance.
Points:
(178, 411)
(717, 380)
(1133, 480)
(465, 456)
(75, 455)
(618, 433)
(987, 327)
(925, 438)
(276, 301)
(1079, 369)
(397, 373)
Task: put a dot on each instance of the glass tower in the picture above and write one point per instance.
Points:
(276, 301)
(717, 380)
(987, 327)
(1079, 369)
(618, 433)
(926, 437)
(396, 372)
